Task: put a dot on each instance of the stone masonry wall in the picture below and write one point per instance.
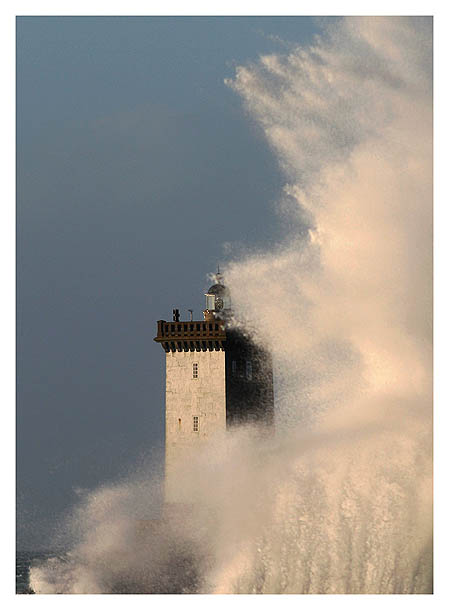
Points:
(203, 397)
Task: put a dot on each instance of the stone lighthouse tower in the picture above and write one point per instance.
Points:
(216, 377)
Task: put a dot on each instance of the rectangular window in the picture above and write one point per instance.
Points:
(234, 367)
(196, 423)
(249, 369)
(195, 370)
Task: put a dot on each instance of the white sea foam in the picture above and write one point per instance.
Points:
(339, 500)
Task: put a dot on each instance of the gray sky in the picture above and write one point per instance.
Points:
(135, 165)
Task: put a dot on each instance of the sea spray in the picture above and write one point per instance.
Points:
(311, 512)
(339, 500)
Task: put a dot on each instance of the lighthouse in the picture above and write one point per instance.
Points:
(216, 378)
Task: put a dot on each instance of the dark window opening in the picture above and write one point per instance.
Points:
(249, 369)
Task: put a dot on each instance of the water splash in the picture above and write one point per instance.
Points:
(340, 499)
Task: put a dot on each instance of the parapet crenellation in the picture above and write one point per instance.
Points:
(204, 335)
